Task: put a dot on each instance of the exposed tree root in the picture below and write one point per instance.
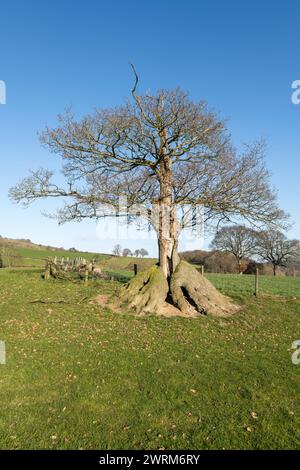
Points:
(193, 294)
(190, 294)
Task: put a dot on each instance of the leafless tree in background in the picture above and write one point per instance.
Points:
(161, 152)
(126, 252)
(117, 250)
(143, 252)
(238, 240)
(9, 257)
(274, 247)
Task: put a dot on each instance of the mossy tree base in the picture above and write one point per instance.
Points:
(189, 294)
(146, 292)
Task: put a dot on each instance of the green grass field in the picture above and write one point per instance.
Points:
(81, 377)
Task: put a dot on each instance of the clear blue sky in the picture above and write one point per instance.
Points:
(240, 56)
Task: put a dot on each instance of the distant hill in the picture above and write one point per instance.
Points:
(26, 243)
(33, 254)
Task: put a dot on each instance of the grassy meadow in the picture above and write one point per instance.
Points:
(81, 377)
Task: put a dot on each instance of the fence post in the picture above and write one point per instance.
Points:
(202, 269)
(256, 283)
(47, 270)
(135, 267)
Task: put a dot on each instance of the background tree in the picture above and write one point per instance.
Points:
(9, 257)
(274, 247)
(238, 240)
(213, 261)
(126, 252)
(143, 252)
(171, 162)
(117, 250)
(137, 253)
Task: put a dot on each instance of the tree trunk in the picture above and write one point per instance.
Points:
(167, 226)
(274, 270)
(168, 256)
(240, 266)
(167, 233)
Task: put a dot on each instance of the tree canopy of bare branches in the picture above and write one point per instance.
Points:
(274, 247)
(117, 250)
(236, 239)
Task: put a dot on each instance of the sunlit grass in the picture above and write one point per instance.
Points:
(78, 376)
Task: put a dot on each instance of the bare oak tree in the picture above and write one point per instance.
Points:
(158, 153)
(143, 252)
(274, 247)
(9, 256)
(126, 252)
(117, 250)
(238, 240)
